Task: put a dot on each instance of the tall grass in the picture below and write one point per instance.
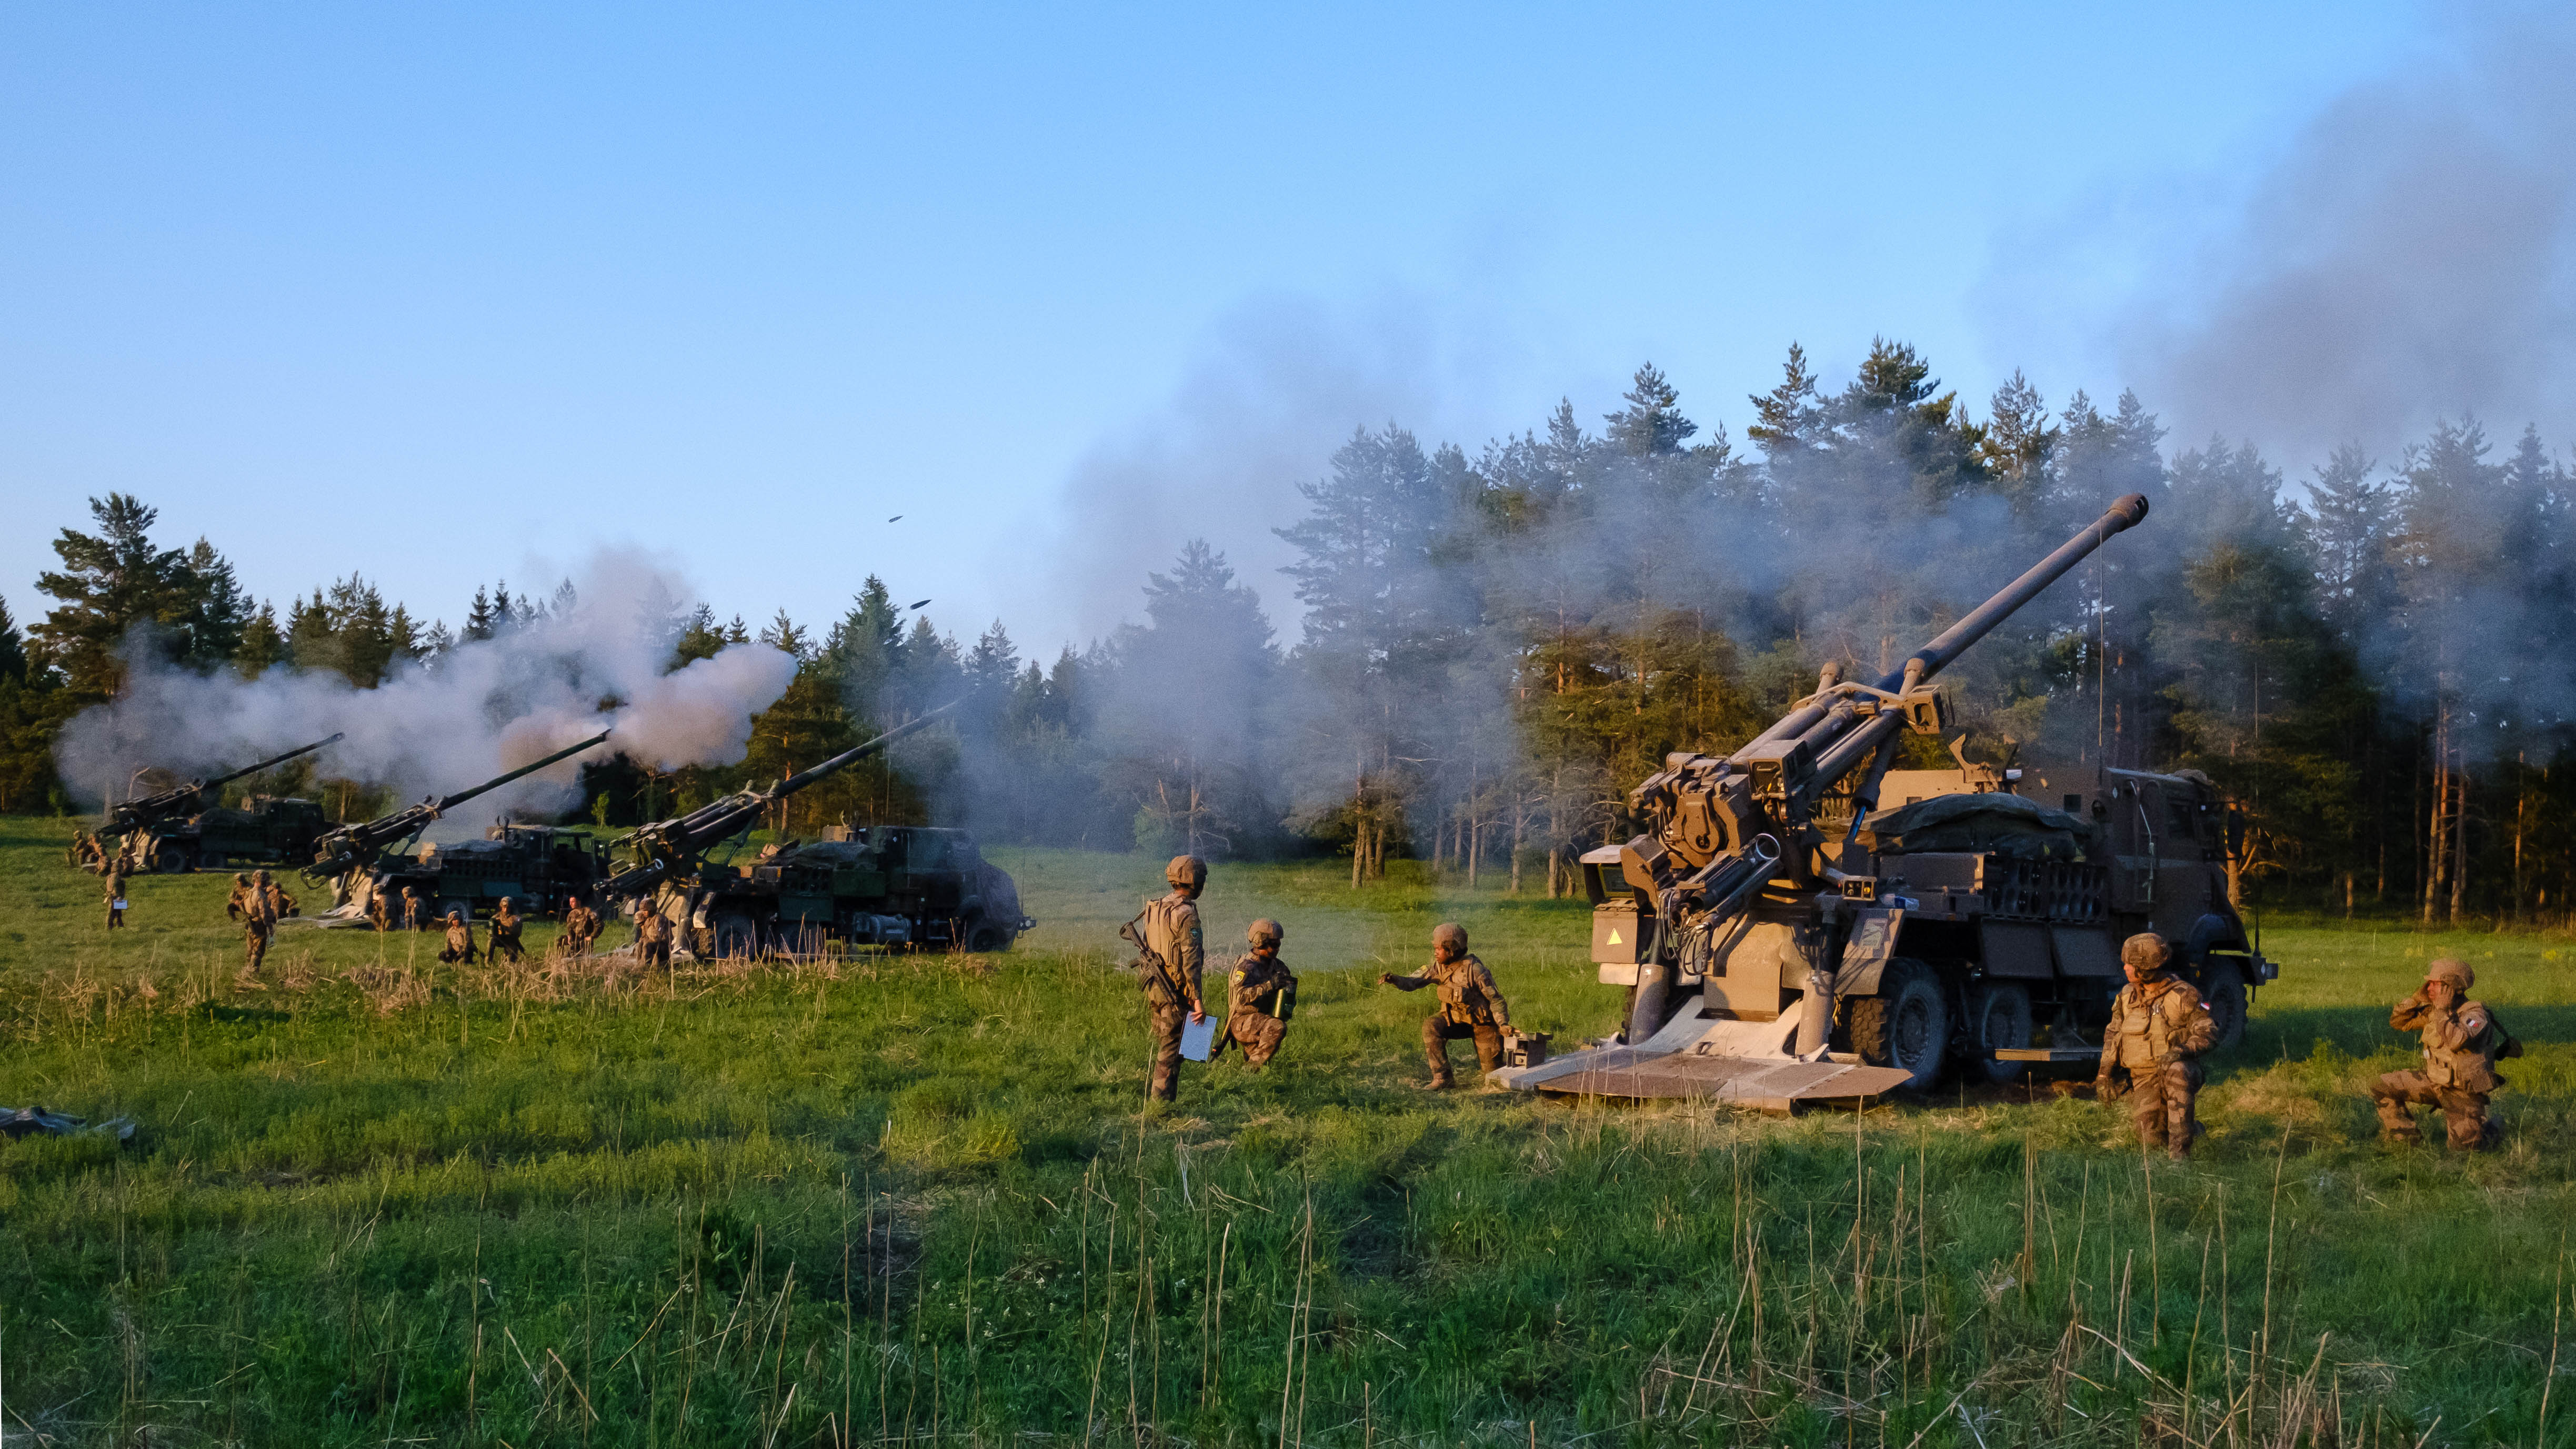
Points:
(917, 1200)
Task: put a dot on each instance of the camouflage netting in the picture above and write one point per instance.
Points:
(2005, 825)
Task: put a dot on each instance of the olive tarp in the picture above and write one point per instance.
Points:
(1996, 823)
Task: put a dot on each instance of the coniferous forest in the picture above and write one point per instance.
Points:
(1494, 646)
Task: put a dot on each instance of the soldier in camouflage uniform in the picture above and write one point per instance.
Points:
(1258, 997)
(259, 927)
(579, 925)
(1170, 957)
(505, 933)
(280, 904)
(652, 936)
(2462, 1041)
(2159, 1028)
(240, 894)
(116, 897)
(379, 911)
(460, 939)
(413, 917)
(1471, 1005)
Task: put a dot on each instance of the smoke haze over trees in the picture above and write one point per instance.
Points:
(1490, 648)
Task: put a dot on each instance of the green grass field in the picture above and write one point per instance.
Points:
(916, 1199)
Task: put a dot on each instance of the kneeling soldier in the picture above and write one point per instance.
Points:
(1471, 1005)
(505, 933)
(2159, 1025)
(1260, 998)
(460, 939)
(2462, 1040)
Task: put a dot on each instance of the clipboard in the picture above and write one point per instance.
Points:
(1197, 1037)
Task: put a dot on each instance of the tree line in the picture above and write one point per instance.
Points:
(1495, 646)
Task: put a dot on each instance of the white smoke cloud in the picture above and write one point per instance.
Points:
(479, 710)
(2409, 255)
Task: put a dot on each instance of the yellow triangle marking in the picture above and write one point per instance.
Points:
(1614, 937)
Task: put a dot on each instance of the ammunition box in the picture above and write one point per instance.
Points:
(1525, 1048)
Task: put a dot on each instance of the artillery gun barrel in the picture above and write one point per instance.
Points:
(670, 846)
(267, 763)
(343, 849)
(1827, 729)
(188, 799)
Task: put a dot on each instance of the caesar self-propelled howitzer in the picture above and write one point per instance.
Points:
(1782, 939)
(183, 828)
(358, 847)
(890, 885)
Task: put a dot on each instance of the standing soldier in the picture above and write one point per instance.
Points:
(116, 897)
(259, 927)
(1260, 997)
(460, 940)
(505, 933)
(241, 894)
(1471, 1005)
(652, 936)
(379, 911)
(1169, 957)
(2159, 1027)
(279, 901)
(412, 916)
(2462, 1041)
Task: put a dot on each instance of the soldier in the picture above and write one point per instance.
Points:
(581, 926)
(460, 940)
(1471, 1005)
(2159, 1027)
(241, 893)
(87, 854)
(379, 911)
(278, 900)
(259, 927)
(1169, 957)
(116, 897)
(413, 918)
(505, 933)
(652, 936)
(2462, 1041)
(1259, 997)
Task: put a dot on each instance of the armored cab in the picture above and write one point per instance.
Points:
(883, 885)
(265, 830)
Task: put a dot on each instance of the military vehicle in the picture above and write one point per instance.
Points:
(536, 866)
(350, 856)
(887, 885)
(1782, 939)
(883, 885)
(183, 830)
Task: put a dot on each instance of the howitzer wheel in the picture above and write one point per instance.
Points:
(169, 859)
(1999, 1019)
(2223, 987)
(1906, 1025)
(986, 936)
(736, 936)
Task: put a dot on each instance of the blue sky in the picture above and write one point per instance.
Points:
(444, 294)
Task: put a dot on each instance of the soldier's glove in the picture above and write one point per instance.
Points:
(2104, 1088)
(1386, 978)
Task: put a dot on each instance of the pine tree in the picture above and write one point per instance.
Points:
(783, 633)
(111, 582)
(2348, 525)
(263, 645)
(1652, 424)
(215, 625)
(1787, 417)
(13, 649)
(480, 622)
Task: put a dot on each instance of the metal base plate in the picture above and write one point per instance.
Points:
(1697, 1057)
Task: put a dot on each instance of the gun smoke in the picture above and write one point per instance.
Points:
(470, 712)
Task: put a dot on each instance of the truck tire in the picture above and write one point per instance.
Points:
(986, 936)
(1906, 1025)
(1999, 1016)
(736, 936)
(171, 859)
(2223, 987)
(459, 904)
